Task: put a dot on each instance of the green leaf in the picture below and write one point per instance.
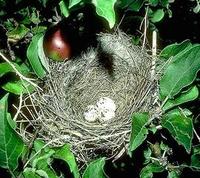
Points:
(33, 173)
(147, 171)
(173, 174)
(164, 147)
(43, 162)
(190, 95)
(38, 29)
(18, 33)
(47, 154)
(106, 9)
(95, 169)
(180, 127)
(30, 173)
(34, 17)
(136, 5)
(180, 73)
(11, 122)
(157, 15)
(64, 153)
(147, 155)
(154, 2)
(38, 144)
(41, 55)
(139, 131)
(165, 3)
(186, 112)
(43, 158)
(11, 145)
(32, 55)
(43, 173)
(197, 9)
(25, 69)
(18, 87)
(174, 49)
(132, 5)
(195, 158)
(5, 68)
(44, 2)
(63, 8)
(73, 3)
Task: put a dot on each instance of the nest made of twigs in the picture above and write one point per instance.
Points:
(117, 70)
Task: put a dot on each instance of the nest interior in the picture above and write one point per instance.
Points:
(118, 70)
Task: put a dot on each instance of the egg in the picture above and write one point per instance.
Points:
(107, 108)
(92, 113)
(103, 111)
(106, 116)
(105, 103)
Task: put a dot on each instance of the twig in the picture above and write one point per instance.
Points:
(198, 137)
(11, 52)
(145, 27)
(154, 51)
(19, 108)
(17, 72)
(154, 43)
(159, 127)
(154, 159)
(119, 155)
(117, 28)
(164, 153)
(165, 100)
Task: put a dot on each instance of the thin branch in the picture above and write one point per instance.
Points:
(154, 43)
(19, 107)
(154, 159)
(145, 27)
(154, 51)
(159, 127)
(117, 28)
(195, 132)
(165, 100)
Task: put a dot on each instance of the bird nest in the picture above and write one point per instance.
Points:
(88, 101)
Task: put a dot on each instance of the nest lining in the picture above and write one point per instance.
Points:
(57, 112)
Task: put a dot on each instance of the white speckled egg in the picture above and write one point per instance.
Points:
(91, 114)
(106, 103)
(106, 116)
